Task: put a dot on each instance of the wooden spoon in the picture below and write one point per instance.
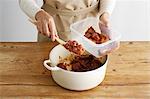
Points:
(67, 45)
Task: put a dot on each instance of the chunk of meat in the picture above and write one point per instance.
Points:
(63, 65)
(74, 47)
(85, 63)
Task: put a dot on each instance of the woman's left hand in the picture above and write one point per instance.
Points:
(104, 23)
(104, 26)
(104, 18)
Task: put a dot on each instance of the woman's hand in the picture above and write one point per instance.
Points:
(104, 18)
(46, 25)
(105, 28)
(104, 23)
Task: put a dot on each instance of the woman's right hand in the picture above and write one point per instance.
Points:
(46, 25)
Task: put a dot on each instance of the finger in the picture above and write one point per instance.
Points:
(39, 27)
(46, 30)
(105, 23)
(53, 30)
(101, 24)
(56, 34)
(43, 30)
(104, 29)
(53, 36)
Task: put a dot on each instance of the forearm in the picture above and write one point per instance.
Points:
(29, 7)
(106, 6)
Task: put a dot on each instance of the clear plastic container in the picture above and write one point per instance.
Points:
(78, 30)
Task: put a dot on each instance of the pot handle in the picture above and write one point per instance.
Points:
(53, 68)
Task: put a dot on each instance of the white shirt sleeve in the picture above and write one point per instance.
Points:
(107, 6)
(30, 7)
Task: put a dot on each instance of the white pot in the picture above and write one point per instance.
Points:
(73, 80)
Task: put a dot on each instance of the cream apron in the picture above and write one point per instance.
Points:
(66, 12)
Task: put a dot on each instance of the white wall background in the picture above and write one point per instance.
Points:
(14, 23)
(0, 20)
(131, 18)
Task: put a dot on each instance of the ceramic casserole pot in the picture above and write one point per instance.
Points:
(73, 80)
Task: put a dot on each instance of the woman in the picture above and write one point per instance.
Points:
(62, 13)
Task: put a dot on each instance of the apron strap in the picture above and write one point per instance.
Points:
(54, 11)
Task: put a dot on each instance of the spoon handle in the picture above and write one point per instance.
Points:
(60, 41)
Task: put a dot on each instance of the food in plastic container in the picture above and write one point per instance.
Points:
(96, 37)
(78, 30)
